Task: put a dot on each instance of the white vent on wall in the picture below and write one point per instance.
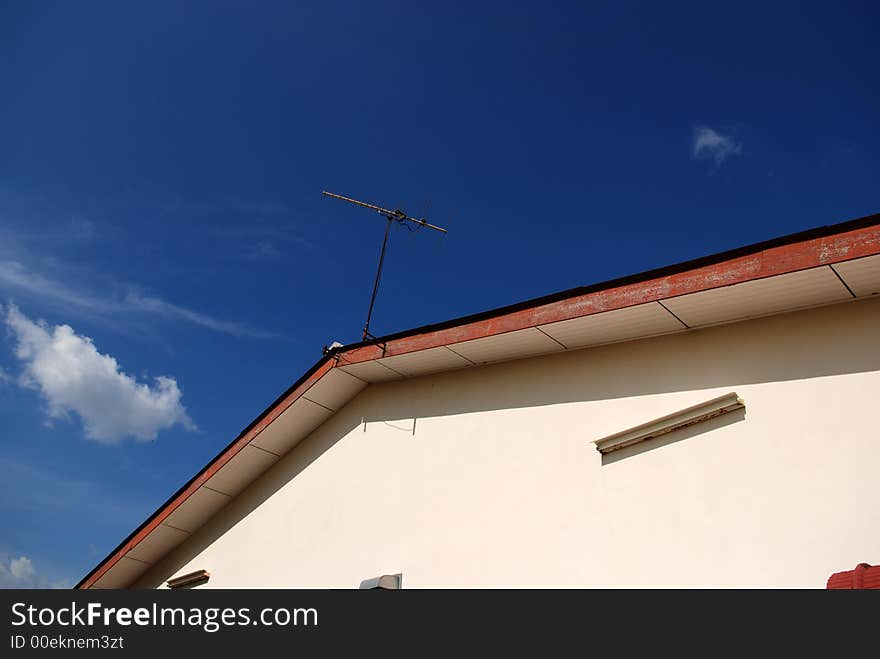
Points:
(677, 420)
(385, 582)
(190, 580)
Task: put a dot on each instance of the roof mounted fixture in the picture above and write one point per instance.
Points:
(189, 580)
(332, 346)
(390, 216)
(687, 417)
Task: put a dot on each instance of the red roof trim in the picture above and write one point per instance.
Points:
(780, 256)
(766, 263)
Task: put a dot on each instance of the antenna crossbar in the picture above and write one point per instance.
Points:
(398, 214)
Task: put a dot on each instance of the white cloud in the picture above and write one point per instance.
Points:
(20, 573)
(14, 276)
(710, 144)
(17, 573)
(73, 377)
(262, 251)
(21, 568)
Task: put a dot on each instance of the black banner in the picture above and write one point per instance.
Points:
(137, 623)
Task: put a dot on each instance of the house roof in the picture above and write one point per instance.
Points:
(818, 267)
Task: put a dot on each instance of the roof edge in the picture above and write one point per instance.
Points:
(664, 271)
(214, 464)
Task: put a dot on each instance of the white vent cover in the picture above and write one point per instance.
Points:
(684, 418)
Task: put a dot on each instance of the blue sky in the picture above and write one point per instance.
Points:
(168, 265)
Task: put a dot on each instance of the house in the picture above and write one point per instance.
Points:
(709, 424)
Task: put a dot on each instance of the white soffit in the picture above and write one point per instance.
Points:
(197, 509)
(861, 275)
(372, 371)
(510, 345)
(759, 297)
(241, 470)
(423, 362)
(335, 389)
(122, 574)
(619, 325)
(159, 542)
(294, 424)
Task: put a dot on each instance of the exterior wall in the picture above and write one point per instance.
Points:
(489, 477)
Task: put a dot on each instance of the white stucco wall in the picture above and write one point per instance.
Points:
(500, 484)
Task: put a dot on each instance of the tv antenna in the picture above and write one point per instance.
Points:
(396, 215)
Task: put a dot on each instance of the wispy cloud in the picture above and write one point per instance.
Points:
(709, 144)
(262, 251)
(16, 278)
(269, 238)
(47, 498)
(74, 378)
(138, 302)
(42, 247)
(226, 207)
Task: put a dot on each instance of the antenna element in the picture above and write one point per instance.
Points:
(396, 215)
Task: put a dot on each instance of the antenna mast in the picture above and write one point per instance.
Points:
(396, 215)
